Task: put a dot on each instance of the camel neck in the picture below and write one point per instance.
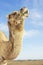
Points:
(11, 37)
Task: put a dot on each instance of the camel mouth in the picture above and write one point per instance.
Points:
(24, 12)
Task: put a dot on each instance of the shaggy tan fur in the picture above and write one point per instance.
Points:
(10, 49)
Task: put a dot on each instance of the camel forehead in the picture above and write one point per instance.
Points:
(14, 14)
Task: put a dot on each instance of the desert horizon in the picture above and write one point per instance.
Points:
(24, 62)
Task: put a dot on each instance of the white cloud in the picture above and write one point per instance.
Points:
(34, 14)
(37, 23)
(31, 53)
(40, 23)
(3, 27)
(31, 33)
(24, 3)
(36, 17)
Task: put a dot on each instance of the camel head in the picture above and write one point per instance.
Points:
(16, 18)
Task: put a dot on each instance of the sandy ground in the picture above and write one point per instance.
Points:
(24, 62)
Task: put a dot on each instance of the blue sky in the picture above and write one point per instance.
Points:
(32, 47)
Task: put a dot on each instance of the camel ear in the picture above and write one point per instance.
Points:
(8, 16)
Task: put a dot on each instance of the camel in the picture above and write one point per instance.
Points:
(10, 49)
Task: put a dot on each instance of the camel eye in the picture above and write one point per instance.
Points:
(15, 23)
